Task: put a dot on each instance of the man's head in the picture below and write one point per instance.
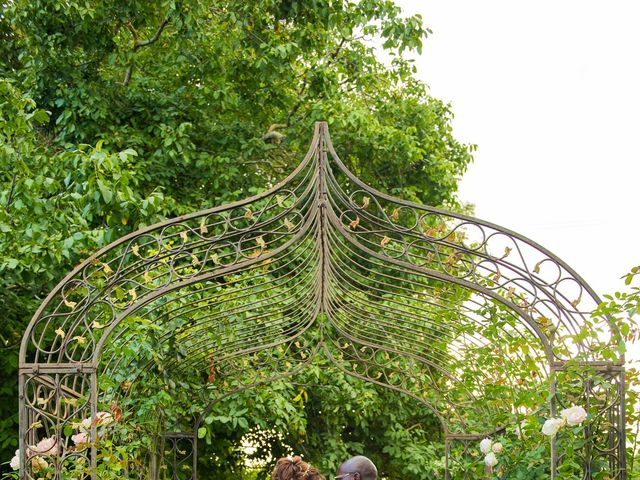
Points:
(357, 468)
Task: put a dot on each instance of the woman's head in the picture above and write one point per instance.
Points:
(293, 468)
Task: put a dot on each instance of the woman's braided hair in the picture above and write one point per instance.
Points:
(293, 468)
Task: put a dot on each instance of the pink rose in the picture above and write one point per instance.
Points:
(46, 446)
(80, 439)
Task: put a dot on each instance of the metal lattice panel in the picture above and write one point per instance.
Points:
(410, 297)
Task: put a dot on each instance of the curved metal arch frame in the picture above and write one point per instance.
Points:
(424, 242)
(319, 347)
(152, 228)
(191, 281)
(298, 368)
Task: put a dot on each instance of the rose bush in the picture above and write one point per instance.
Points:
(49, 448)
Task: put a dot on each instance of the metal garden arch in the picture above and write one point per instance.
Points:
(410, 297)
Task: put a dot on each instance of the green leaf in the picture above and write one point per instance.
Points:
(243, 423)
(106, 193)
(41, 116)
(624, 328)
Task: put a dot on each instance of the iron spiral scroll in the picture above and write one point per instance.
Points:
(413, 298)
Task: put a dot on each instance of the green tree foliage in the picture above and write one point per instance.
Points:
(625, 307)
(57, 207)
(116, 114)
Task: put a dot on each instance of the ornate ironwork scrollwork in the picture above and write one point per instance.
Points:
(446, 308)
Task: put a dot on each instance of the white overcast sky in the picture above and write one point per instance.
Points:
(549, 90)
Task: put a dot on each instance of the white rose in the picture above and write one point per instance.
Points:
(519, 429)
(485, 445)
(490, 460)
(574, 415)
(552, 426)
(496, 447)
(15, 461)
(80, 439)
(38, 464)
(85, 426)
(46, 446)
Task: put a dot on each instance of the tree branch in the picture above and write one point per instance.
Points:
(334, 55)
(13, 183)
(298, 104)
(155, 37)
(13, 187)
(127, 75)
(137, 45)
(332, 58)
